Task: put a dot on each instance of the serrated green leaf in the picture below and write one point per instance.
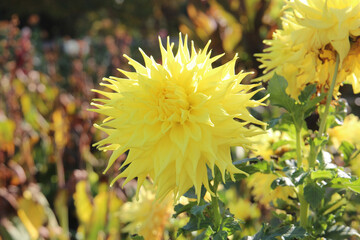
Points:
(245, 160)
(337, 114)
(325, 160)
(273, 122)
(340, 232)
(180, 208)
(261, 166)
(347, 149)
(310, 105)
(221, 235)
(282, 181)
(195, 224)
(230, 224)
(289, 232)
(322, 174)
(205, 235)
(280, 143)
(308, 91)
(137, 237)
(198, 210)
(299, 176)
(313, 194)
(278, 96)
(353, 185)
(191, 192)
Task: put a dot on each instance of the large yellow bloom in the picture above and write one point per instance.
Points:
(304, 50)
(177, 118)
(147, 217)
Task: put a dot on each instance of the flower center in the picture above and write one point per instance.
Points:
(173, 104)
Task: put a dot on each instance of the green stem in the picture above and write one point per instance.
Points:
(304, 205)
(314, 151)
(304, 208)
(328, 99)
(215, 205)
(298, 147)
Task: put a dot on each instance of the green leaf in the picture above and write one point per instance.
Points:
(308, 91)
(353, 185)
(245, 160)
(205, 235)
(337, 114)
(137, 237)
(278, 96)
(198, 210)
(298, 110)
(313, 194)
(195, 224)
(230, 224)
(282, 181)
(299, 176)
(273, 122)
(261, 166)
(347, 149)
(325, 160)
(280, 143)
(340, 232)
(322, 174)
(221, 235)
(180, 208)
(289, 232)
(191, 192)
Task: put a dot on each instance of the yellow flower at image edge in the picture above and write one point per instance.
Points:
(147, 217)
(177, 118)
(304, 51)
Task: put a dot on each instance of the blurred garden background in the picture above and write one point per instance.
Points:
(52, 53)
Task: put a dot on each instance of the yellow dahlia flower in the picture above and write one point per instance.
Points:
(177, 118)
(146, 216)
(304, 50)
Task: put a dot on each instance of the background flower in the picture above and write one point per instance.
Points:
(177, 118)
(147, 216)
(350, 132)
(304, 51)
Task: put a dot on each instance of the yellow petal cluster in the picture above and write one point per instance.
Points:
(177, 118)
(304, 51)
(146, 216)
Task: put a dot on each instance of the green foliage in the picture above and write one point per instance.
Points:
(290, 232)
(297, 110)
(314, 194)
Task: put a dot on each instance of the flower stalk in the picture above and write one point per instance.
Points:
(323, 117)
(215, 204)
(304, 208)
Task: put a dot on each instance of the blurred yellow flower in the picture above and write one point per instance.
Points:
(147, 217)
(261, 189)
(304, 50)
(350, 132)
(177, 118)
(241, 208)
(264, 145)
